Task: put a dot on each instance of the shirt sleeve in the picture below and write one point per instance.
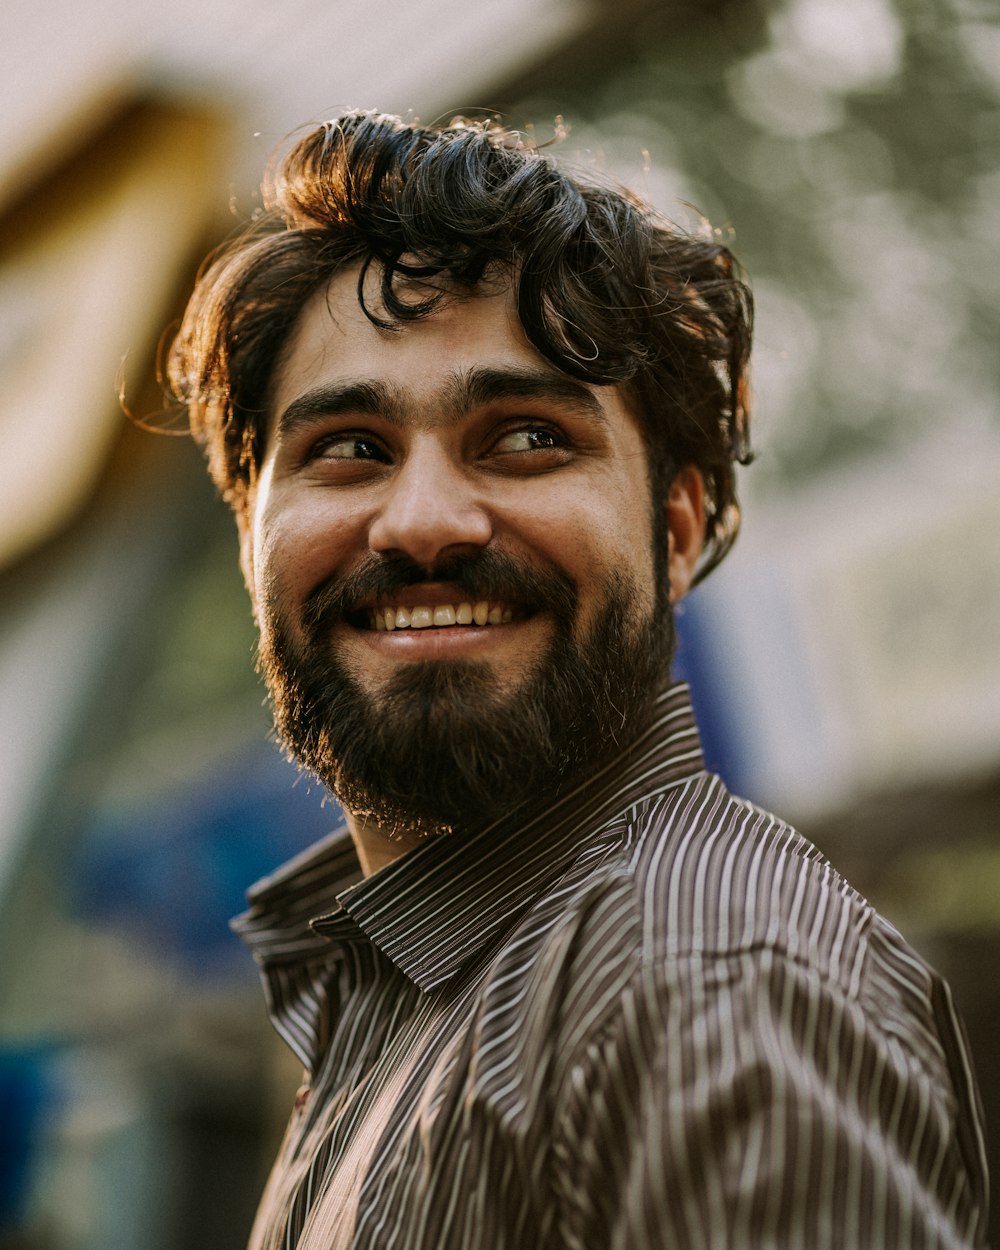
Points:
(747, 1102)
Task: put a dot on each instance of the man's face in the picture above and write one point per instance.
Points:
(450, 549)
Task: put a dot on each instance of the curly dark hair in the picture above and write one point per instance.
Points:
(606, 290)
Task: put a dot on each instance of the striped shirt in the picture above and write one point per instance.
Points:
(643, 1014)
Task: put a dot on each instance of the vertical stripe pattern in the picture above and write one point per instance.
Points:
(647, 1014)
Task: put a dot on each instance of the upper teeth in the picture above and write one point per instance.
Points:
(420, 617)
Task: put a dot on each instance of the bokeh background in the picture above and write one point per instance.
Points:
(845, 660)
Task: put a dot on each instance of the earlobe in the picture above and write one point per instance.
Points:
(685, 529)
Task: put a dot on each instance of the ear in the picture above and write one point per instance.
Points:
(685, 529)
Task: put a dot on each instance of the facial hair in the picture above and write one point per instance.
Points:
(445, 745)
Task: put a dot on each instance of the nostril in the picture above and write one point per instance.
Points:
(427, 532)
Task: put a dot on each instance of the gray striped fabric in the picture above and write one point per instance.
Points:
(646, 1015)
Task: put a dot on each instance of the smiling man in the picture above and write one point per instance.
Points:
(553, 986)
(478, 613)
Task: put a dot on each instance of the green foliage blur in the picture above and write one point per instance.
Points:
(849, 151)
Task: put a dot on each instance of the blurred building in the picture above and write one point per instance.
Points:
(845, 660)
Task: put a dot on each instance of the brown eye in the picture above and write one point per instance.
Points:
(350, 447)
(528, 439)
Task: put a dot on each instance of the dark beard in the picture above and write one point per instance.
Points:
(441, 745)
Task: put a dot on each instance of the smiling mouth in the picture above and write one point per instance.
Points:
(442, 615)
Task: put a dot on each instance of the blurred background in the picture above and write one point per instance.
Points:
(845, 660)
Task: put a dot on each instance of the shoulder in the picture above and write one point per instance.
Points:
(709, 908)
(714, 875)
(697, 873)
(729, 998)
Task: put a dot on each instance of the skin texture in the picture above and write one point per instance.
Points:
(445, 437)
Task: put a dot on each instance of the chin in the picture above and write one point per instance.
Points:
(454, 744)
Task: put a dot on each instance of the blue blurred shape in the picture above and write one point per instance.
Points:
(28, 1099)
(173, 871)
(696, 661)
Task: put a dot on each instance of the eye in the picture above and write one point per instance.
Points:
(350, 447)
(528, 438)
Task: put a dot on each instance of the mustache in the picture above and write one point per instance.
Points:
(484, 574)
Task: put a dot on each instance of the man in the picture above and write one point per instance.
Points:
(555, 987)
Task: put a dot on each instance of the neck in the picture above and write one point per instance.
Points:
(377, 845)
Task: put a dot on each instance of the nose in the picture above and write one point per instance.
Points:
(429, 510)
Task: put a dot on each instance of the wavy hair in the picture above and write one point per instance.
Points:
(606, 290)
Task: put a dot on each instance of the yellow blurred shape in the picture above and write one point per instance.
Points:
(93, 260)
(950, 890)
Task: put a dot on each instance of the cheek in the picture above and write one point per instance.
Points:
(593, 538)
(274, 556)
(280, 575)
(298, 543)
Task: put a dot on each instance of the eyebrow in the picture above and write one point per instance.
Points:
(366, 398)
(463, 392)
(481, 386)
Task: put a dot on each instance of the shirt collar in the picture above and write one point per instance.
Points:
(435, 908)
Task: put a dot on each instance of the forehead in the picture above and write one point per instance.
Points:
(334, 338)
(334, 341)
